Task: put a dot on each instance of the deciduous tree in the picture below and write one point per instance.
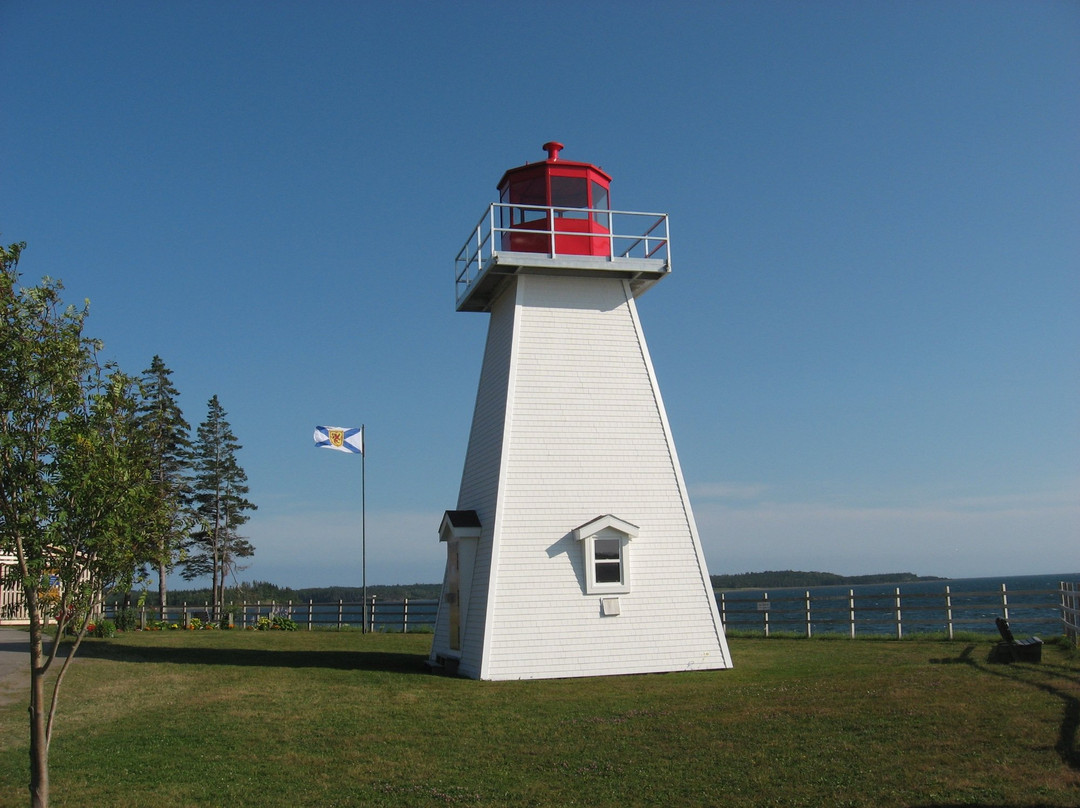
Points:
(75, 496)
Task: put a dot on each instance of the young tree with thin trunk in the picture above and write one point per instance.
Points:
(75, 494)
(218, 489)
(168, 433)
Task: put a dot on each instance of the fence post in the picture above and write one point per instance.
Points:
(405, 616)
(1064, 612)
(808, 613)
(371, 616)
(766, 612)
(899, 625)
(948, 611)
(1004, 603)
(723, 611)
(851, 611)
(1070, 618)
(339, 610)
(1074, 604)
(309, 614)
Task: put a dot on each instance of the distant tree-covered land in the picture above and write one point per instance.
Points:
(265, 592)
(781, 579)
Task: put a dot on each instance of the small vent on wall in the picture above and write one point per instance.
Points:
(610, 606)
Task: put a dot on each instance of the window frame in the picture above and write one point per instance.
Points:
(606, 529)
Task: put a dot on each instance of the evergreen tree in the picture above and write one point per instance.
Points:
(218, 489)
(168, 434)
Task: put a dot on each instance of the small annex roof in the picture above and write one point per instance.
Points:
(459, 525)
(594, 526)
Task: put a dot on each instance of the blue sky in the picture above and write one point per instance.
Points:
(869, 345)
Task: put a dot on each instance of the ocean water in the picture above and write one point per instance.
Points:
(386, 615)
(1033, 605)
(1031, 601)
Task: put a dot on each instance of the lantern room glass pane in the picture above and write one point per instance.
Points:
(528, 192)
(570, 192)
(600, 202)
(504, 213)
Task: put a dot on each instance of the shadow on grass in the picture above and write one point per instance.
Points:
(1040, 676)
(264, 658)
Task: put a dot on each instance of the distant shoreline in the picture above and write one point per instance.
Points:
(782, 579)
(265, 592)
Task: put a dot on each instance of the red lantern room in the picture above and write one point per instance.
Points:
(554, 218)
(566, 201)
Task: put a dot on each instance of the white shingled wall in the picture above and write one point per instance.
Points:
(585, 434)
(480, 481)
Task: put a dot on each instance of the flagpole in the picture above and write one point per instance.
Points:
(363, 523)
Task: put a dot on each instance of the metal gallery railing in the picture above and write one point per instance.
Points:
(619, 234)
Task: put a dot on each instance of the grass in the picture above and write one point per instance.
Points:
(342, 719)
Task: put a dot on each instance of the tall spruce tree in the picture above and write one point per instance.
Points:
(218, 489)
(168, 434)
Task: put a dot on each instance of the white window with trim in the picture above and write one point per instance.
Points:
(605, 545)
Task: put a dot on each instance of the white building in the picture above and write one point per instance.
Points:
(573, 549)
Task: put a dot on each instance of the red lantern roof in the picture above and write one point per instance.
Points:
(558, 195)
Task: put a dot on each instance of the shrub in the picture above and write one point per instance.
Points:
(276, 622)
(283, 623)
(105, 628)
(126, 620)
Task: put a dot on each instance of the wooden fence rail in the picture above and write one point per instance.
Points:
(894, 612)
(384, 615)
(1070, 610)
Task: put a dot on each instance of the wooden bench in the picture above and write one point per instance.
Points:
(1012, 650)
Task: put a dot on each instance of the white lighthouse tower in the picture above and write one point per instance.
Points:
(573, 549)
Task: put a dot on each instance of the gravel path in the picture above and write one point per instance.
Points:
(14, 665)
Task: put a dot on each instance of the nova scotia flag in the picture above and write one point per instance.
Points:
(344, 439)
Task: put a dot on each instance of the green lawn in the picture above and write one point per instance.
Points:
(325, 719)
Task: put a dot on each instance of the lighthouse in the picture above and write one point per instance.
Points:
(572, 549)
